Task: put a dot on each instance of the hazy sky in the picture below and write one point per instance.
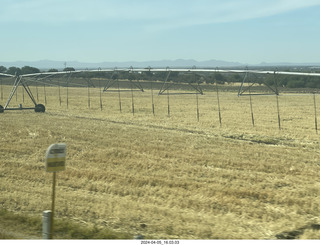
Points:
(246, 31)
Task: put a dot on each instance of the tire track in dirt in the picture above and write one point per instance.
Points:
(127, 123)
(252, 140)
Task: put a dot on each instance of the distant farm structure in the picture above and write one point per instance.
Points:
(166, 81)
(109, 78)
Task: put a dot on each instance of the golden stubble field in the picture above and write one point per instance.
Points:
(168, 177)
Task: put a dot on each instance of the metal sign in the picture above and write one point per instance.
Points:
(56, 157)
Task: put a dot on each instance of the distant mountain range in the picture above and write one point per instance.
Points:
(179, 63)
(48, 64)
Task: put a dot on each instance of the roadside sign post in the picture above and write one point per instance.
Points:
(55, 162)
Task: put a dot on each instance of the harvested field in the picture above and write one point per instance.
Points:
(168, 176)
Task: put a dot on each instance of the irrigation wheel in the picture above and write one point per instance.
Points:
(1, 109)
(40, 108)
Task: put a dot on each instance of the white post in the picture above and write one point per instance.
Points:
(46, 224)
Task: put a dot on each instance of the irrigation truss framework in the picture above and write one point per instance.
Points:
(26, 79)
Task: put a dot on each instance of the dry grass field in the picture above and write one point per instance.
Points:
(168, 177)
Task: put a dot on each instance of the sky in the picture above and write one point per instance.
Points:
(245, 31)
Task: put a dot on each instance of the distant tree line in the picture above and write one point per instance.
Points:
(19, 71)
(299, 81)
(27, 70)
(289, 81)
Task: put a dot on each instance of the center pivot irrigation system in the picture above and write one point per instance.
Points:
(111, 77)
